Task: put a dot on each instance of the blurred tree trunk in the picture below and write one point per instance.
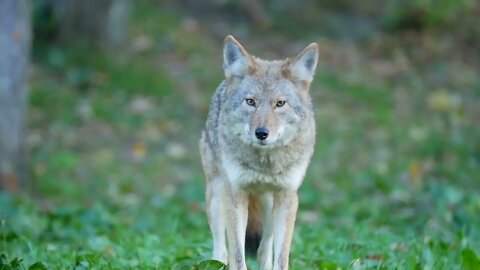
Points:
(14, 59)
(98, 23)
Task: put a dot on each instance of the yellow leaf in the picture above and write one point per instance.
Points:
(138, 151)
(416, 173)
(442, 101)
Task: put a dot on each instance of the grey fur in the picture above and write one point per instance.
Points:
(236, 163)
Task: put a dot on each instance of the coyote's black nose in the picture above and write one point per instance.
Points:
(261, 133)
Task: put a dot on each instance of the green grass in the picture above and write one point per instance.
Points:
(116, 181)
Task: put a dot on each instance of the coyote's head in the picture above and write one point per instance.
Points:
(268, 103)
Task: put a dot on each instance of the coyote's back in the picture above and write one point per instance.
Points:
(255, 148)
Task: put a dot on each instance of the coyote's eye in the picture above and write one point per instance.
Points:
(280, 103)
(250, 101)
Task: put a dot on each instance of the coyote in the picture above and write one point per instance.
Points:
(255, 149)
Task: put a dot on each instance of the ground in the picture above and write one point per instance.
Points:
(116, 175)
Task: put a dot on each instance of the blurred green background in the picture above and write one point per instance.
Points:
(115, 113)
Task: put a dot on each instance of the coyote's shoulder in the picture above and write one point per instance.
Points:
(211, 127)
(256, 145)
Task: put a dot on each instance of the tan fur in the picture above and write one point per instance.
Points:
(252, 181)
(254, 225)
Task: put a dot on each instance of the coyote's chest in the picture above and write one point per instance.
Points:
(264, 169)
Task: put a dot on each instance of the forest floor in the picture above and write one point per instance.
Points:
(116, 176)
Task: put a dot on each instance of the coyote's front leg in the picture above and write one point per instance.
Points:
(265, 250)
(285, 204)
(237, 217)
(217, 217)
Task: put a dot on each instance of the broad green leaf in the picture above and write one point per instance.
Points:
(38, 266)
(470, 260)
(210, 265)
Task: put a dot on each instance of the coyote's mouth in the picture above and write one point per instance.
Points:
(263, 144)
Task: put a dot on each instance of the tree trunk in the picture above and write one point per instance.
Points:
(98, 23)
(14, 59)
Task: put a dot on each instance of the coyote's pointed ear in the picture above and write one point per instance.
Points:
(302, 66)
(236, 60)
